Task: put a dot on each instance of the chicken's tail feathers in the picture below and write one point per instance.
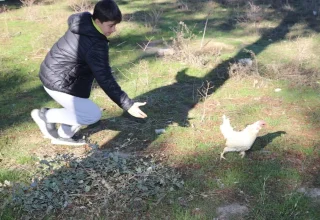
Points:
(225, 127)
(225, 120)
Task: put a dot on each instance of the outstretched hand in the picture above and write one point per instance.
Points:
(136, 111)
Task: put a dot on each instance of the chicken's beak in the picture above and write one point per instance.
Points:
(262, 124)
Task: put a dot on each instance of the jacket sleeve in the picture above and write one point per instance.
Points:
(98, 60)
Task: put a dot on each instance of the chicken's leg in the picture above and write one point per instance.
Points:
(242, 153)
(225, 150)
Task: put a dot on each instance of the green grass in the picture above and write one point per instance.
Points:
(11, 175)
(283, 159)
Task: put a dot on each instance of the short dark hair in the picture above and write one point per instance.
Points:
(107, 10)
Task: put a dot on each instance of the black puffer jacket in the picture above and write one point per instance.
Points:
(79, 56)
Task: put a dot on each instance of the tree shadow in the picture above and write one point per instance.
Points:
(12, 4)
(16, 4)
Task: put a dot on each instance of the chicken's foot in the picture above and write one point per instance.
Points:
(221, 156)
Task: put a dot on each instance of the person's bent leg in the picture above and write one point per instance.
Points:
(68, 131)
(76, 112)
(47, 129)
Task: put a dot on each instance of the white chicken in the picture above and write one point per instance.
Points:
(239, 141)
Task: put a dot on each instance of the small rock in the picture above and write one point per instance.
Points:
(160, 131)
(197, 212)
(165, 52)
(7, 183)
(93, 146)
(314, 193)
(302, 190)
(33, 184)
(277, 90)
(123, 154)
(246, 61)
(44, 162)
(231, 211)
(265, 152)
(311, 192)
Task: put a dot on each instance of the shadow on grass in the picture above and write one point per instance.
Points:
(16, 4)
(312, 169)
(172, 103)
(16, 103)
(166, 105)
(12, 4)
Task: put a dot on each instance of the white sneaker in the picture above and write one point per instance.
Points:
(45, 128)
(51, 127)
(68, 141)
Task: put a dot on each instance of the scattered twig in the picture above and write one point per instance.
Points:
(204, 30)
(145, 45)
(204, 94)
(123, 74)
(121, 43)
(160, 199)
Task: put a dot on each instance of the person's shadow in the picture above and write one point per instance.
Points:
(167, 105)
(170, 105)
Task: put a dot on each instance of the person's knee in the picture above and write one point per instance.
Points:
(95, 115)
(91, 117)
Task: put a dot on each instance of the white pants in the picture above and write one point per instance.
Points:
(75, 113)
